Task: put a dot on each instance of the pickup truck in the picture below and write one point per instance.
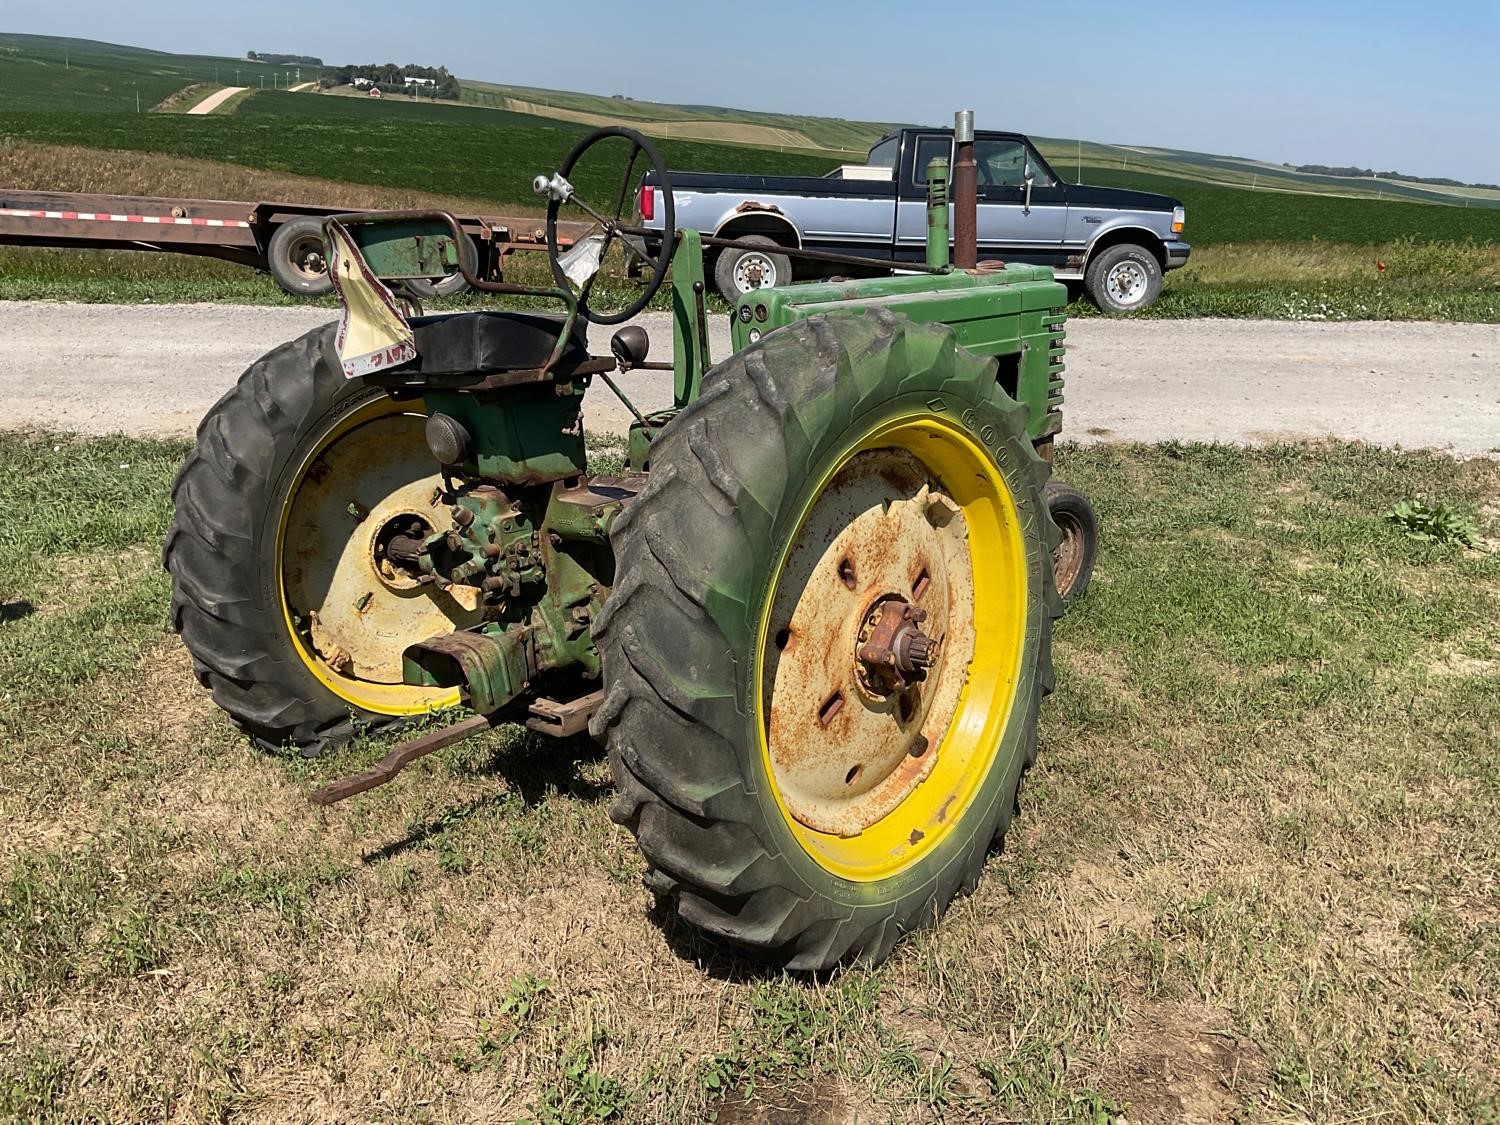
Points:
(1118, 243)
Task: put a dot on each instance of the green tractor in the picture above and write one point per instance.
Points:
(810, 619)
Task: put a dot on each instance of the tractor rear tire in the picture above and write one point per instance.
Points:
(1078, 541)
(297, 257)
(718, 736)
(265, 518)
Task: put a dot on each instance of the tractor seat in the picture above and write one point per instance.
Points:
(495, 340)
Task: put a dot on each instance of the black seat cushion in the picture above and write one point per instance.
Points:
(465, 343)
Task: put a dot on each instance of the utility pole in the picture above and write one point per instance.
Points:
(1080, 160)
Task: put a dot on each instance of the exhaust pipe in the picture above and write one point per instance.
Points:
(965, 192)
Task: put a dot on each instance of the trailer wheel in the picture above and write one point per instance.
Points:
(298, 257)
(454, 283)
(738, 272)
(829, 637)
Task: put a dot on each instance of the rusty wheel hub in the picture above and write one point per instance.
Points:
(869, 641)
(893, 651)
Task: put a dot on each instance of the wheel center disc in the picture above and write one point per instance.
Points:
(880, 571)
(355, 609)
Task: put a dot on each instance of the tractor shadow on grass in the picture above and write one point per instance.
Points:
(14, 611)
(536, 768)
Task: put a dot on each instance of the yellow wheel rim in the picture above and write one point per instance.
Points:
(349, 618)
(870, 782)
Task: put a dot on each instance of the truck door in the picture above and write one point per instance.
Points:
(911, 192)
(1012, 226)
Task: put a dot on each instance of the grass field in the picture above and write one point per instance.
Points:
(1235, 171)
(43, 73)
(713, 122)
(1253, 879)
(466, 155)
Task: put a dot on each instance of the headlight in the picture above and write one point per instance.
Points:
(1179, 218)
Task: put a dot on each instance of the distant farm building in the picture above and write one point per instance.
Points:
(375, 92)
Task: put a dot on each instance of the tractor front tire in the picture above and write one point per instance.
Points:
(276, 589)
(1078, 539)
(791, 794)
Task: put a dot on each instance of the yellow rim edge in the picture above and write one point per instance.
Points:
(997, 552)
(381, 699)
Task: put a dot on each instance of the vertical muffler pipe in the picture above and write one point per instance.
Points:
(965, 192)
(937, 212)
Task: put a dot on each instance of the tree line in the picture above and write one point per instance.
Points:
(283, 60)
(393, 77)
(1367, 173)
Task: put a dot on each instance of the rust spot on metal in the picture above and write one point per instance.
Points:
(318, 471)
(916, 837)
(942, 813)
(751, 206)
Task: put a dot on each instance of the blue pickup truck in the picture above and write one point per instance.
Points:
(1118, 243)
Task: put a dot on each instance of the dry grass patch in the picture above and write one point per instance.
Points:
(1253, 878)
(37, 167)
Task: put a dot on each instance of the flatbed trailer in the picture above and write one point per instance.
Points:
(282, 239)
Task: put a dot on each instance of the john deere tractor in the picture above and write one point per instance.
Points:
(810, 619)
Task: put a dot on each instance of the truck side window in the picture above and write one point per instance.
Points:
(883, 155)
(929, 147)
(1002, 163)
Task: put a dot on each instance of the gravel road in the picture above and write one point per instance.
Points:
(155, 369)
(215, 100)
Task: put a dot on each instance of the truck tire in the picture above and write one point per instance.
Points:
(297, 471)
(1123, 279)
(738, 272)
(298, 258)
(787, 797)
(452, 285)
(1078, 539)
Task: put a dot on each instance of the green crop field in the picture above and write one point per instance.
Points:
(775, 129)
(1231, 214)
(42, 73)
(1236, 171)
(465, 156)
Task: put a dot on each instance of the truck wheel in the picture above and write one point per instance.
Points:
(454, 283)
(295, 617)
(1078, 539)
(738, 272)
(1123, 279)
(829, 637)
(298, 258)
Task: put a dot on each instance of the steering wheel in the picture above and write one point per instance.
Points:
(578, 268)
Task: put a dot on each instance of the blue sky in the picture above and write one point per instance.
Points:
(1409, 86)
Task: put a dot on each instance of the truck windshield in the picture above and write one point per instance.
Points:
(883, 155)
